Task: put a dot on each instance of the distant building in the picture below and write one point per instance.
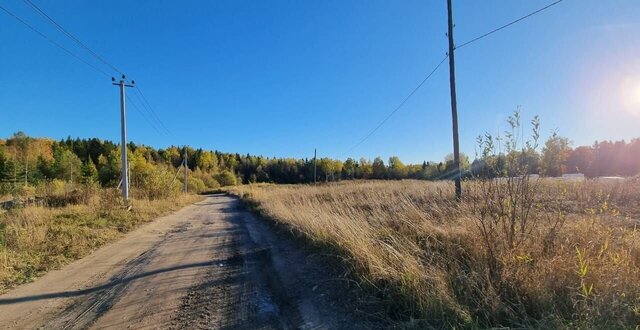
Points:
(573, 177)
(610, 179)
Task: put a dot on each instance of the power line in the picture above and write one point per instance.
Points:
(154, 118)
(399, 106)
(144, 107)
(145, 104)
(144, 116)
(153, 113)
(439, 64)
(509, 24)
(68, 52)
(71, 36)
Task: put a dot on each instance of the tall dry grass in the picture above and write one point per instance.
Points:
(36, 239)
(410, 242)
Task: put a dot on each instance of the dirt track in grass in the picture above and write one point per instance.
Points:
(209, 265)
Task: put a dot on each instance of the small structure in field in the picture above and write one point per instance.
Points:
(504, 179)
(573, 177)
(609, 179)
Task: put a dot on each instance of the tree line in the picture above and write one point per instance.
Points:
(557, 157)
(26, 160)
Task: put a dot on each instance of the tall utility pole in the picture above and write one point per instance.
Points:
(15, 167)
(315, 176)
(186, 168)
(26, 170)
(454, 104)
(123, 128)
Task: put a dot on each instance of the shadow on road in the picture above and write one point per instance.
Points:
(67, 294)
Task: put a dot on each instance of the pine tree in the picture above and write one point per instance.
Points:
(89, 172)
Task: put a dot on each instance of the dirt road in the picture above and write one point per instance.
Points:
(209, 265)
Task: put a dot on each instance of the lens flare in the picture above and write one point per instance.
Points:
(630, 96)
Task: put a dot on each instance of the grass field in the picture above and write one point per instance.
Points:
(548, 254)
(35, 239)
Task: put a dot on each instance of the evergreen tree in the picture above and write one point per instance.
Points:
(89, 172)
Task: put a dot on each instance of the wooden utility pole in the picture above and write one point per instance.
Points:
(123, 131)
(454, 104)
(315, 176)
(186, 174)
(26, 168)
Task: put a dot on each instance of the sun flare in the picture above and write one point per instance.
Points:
(630, 97)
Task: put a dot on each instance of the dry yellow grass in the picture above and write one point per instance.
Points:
(417, 247)
(35, 239)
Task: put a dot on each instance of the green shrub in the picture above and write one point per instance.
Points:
(226, 178)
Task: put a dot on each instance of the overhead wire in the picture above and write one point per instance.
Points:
(439, 64)
(70, 35)
(508, 24)
(146, 110)
(68, 52)
(155, 121)
(145, 103)
(144, 116)
(399, 106)
(150, 108)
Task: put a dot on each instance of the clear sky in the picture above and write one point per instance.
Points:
(278, 78)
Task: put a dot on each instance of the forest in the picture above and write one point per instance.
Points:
(26, 160)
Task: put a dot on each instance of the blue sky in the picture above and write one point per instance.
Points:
(279, 78)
